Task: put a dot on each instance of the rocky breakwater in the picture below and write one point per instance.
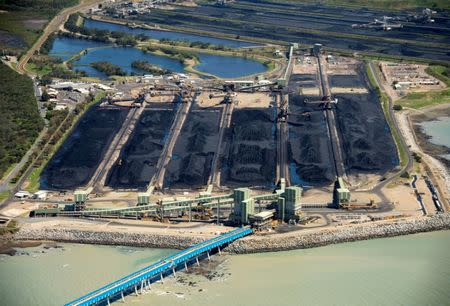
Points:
(110, 237)
(315, 238)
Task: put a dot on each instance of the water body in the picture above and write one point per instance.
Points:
(123, 57)
(408, 270)
(160, 34)
(228, 66)
(438, 130)
(65, 47)
(221, 66)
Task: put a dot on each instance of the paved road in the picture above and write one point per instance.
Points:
(409, 163)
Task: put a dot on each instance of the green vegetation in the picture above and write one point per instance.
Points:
(418, 100)
(439, 72)
(11, 228)
(403, 154)
(397, 107)
(149, 68)
(417, 157)
(124, 39)
(20, 122)
(26, 19)
(108, 68)
(61, 124)
(194, 44)
(48, 44)
(4, 195)
(172, 52)
(44, 65)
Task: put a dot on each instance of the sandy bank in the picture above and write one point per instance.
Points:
(252, 244)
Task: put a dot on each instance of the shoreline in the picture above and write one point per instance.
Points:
(423, 139)
(309, 238)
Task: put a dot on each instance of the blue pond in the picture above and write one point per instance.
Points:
(228, 66)
(221, 66)
(64, 47)
(159, 34)
(123, 57)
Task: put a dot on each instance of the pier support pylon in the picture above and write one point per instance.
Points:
(209, 258)
(196, 258)
(123, 299)
(185, 266)
(162, 278)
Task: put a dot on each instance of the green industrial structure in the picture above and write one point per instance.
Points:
(289, 204)
(341, 195)
(244, 205)
(241, 202)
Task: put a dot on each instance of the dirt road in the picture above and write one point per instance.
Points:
(51, 27)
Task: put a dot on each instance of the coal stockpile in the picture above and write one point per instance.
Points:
(314, 24)
(309, 146)
(194, 150)
(346, 80)
(81, 153)
(364, 133)
(136, 164)
(251, 159)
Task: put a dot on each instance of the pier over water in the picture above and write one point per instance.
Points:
(142, 279)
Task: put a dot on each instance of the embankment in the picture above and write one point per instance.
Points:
(365, 231)
(252, 244)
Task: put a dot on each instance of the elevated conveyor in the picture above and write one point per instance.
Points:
(142, 278)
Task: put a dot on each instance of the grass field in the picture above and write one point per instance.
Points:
(440, 72)
(4, 195)
(423, 99)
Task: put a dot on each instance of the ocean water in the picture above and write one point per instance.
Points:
(407, 270)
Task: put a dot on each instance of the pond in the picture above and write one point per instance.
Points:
(221, 66)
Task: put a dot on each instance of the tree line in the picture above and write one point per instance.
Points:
(20, 121)
(120, 38)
